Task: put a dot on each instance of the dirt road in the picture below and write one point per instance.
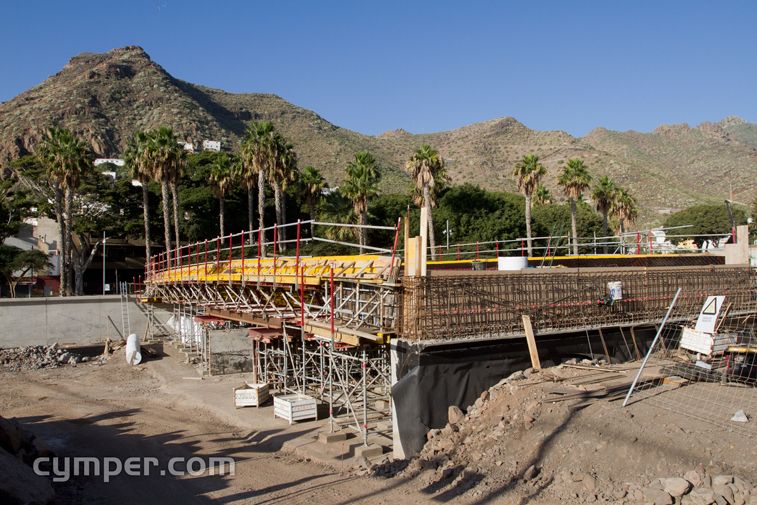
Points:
(116, 411)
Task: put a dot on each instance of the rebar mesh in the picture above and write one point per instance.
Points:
(491, 304)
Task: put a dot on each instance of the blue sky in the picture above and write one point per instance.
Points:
(424, 65)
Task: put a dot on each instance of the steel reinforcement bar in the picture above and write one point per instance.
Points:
(491, 304)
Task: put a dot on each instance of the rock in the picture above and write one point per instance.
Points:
(619, 494)
(722, 480)
(19, 483)
(702, 496)
(433, 434)
(722, 490)
(675, 486)
(63, 358)
(589, 482)
(454, 415)
(743, 486)
(530, 473)
(720, 500)
(484, 396)
(663, 498)
(657, 496)
(693, 477)
(571, 361)
(516, 376)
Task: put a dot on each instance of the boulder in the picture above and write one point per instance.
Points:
(675, 486)
(455, 415)
(724, 491)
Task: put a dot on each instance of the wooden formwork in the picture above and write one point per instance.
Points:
(491, 304)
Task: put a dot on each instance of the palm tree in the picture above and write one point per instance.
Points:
(603, 195)
(257, 155)
(66, 158)
(574, 180)
(221, 177)
(528, 172)
(137, 159)
(167, 159)
(542, 195)
(624, 208)
(312, 184)
(426, 167)
(283, 173)
(360, 185)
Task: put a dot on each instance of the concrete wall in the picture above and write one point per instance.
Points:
(230, 351)
(70, 320)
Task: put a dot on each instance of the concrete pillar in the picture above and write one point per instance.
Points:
(397, 451)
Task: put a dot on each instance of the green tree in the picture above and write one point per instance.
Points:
(15, 263)
(360, 185)
(221, 177)
(542, 195)
(554, 220)
(137, 157)
(603, 195)
(426, 167)
(283, 174)
(313, 184)
(258, 156)
(574, 179)
(705, 219)
(624, 208)
(15, 206)
(528, 172)
(167, 157)
(66, 158)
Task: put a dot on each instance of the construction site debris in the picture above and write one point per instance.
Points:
(37, 356)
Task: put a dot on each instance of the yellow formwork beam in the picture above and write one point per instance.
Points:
(287, 270)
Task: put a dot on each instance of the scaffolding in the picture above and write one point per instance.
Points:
(321, 325)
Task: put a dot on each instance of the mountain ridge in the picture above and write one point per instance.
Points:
(105, 97)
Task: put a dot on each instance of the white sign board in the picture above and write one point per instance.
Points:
(696, 341)
(708, 317)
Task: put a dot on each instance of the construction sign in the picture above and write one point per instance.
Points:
(708, 317)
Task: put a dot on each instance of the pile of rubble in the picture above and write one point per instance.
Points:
(38, 356)
(696, 487)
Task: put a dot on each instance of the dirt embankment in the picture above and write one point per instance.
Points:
(530, 438)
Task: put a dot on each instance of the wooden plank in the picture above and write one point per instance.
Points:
(604, 346)
(242, 317)
(531, 340)
(635, 345)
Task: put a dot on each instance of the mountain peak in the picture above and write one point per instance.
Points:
(731, 121)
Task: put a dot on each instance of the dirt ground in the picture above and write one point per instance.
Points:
(597, 453)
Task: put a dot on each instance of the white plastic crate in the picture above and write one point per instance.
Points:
(251, 395)
(294, 407)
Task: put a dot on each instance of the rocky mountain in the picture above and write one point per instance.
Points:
(106, 97)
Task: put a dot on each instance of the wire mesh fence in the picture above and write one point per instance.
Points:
(705, 366)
